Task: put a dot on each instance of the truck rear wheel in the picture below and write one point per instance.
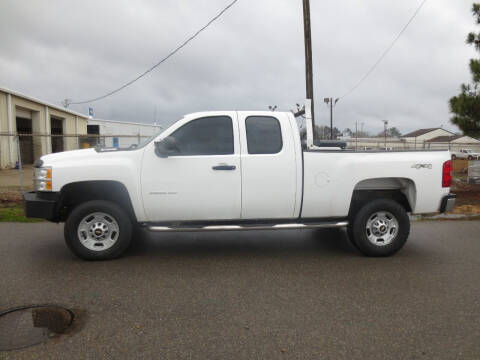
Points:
(98, 230)
(380, 228)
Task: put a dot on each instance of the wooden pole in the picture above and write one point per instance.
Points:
(308, 58)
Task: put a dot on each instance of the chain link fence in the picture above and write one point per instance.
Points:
(20, 150)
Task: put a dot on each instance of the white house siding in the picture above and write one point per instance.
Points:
(464, 142)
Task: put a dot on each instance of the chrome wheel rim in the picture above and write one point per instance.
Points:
(382, 228)
(98, 231)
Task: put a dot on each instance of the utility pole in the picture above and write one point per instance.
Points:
(356, 135)
(66, 103)
(385, 123)
(331, 103)
(308, 58)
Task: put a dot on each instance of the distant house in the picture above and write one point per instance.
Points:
(454, 142)
(422, 135)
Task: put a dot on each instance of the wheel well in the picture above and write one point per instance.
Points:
(361, 197)
(76, 193)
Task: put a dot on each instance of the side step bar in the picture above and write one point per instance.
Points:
(286, 226)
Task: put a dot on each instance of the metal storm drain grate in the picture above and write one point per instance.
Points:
(30, 325)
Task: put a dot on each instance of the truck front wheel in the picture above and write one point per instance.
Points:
(98, 230)
(380, 228)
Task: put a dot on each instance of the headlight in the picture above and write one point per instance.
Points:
(42, 179)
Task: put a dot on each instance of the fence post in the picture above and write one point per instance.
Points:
(20, 166)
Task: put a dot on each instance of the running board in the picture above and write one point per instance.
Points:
(287, 226)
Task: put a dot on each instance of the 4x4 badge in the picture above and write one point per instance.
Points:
(422, 166)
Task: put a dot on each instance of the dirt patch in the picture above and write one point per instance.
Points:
(467, 198)
(466, 209)
(10, 197)
(11, 179)
(467, 195)
(464, 186)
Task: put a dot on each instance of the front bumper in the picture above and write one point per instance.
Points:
(42, 205)
(448, 202)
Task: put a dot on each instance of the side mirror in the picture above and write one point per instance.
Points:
(166, 147)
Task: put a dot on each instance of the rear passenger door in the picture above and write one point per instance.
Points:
(270, 166)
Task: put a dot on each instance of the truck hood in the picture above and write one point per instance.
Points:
(72, 155)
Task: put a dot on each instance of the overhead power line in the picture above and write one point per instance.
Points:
(173, 52)
(392, 44)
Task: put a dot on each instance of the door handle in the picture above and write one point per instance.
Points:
(224, 167)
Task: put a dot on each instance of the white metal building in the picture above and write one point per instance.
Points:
(112, 133)
(35, 127)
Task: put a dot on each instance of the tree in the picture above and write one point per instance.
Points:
(348, 132)
(321, 132)
(391, 132)
(394, 132)
(466, 105)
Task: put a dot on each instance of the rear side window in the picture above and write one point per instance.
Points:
(264, 135)
(206, 136)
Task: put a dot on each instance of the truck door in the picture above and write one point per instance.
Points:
(271, 166)
(202, 181)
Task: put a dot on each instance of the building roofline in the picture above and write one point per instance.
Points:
(124, 122)
(445, 138)
(36, 100)
(424, 131)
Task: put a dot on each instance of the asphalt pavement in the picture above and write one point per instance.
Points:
(252, 295)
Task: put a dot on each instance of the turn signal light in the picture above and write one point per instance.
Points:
(447, 174)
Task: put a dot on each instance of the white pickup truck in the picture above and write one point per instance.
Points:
(236, 170)
(468, 154)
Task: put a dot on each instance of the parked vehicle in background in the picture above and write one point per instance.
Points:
(467, 154)
(386, 148)
(474, 172)
(237, 170)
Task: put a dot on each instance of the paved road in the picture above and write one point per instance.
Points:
(251, 295)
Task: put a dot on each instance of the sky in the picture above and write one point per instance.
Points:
(252, 57)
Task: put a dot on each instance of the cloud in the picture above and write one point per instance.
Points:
(251, 58)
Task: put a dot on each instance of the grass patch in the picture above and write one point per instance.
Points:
(15, 214)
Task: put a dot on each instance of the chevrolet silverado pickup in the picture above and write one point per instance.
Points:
(232, 171)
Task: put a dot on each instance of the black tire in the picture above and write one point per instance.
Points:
(470, 157)
(454, 157)
(115, 212)
(357, 229)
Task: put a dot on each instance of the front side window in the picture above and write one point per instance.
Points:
(264, 135)
(205, 136)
